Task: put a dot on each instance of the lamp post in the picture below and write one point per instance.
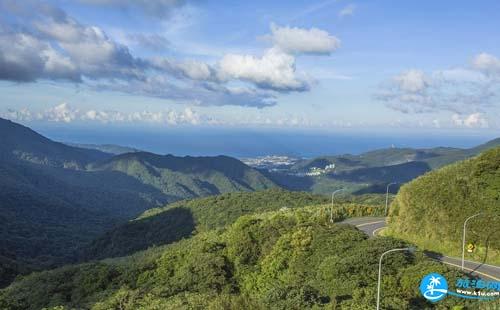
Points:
(409, 249)
(463, 237)
(331, 209)
(387, 197)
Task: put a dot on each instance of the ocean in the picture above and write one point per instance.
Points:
(259, 142)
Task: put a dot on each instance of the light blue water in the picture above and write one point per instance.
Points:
(249, 143)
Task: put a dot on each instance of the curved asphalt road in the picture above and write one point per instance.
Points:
(372, 225)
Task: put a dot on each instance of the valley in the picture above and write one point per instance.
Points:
(139, 229)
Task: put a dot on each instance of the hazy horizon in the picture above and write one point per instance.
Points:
(251, 142)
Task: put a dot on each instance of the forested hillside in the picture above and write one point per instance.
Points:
(433, 157)
(183, 219)
(430, 211)
(186, 177)
(21, 143)
(370, 172)
(106, 148)
(288, 259)
(55, 198)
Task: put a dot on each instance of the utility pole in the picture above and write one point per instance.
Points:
(410, 249)
(331, 209)
(463, 237)
(387, 197)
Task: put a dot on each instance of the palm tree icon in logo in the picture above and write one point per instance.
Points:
(434, 287)
(433, 283)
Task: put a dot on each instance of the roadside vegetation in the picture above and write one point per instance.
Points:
(430, 211)
(186, 218)
(286, 259)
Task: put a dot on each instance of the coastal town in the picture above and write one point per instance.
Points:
(286, 164)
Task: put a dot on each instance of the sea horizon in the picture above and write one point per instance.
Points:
(246, 142)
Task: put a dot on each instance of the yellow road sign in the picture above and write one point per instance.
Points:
(471, 247)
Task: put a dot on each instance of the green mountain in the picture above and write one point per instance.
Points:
(179, 220)
(186, 177)
(185, 218)
(434, 157)
(55, 198)
(371, 171)
(430, 211)
(286, 259)
(21, 143)
(106, 148)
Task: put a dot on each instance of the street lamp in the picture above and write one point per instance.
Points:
(387, 197)
(409, 249)
(463, 237)
(331, 209)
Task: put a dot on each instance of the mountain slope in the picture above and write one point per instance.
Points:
(106, 148)
(21, 143)
(55, 198)
(431, 210)
(38, 229)
(293, 259)
(434, 157)
(187, 177)
(370, 172)
(181, 219)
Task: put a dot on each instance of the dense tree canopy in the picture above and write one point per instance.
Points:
(287, 259)
(431, 210)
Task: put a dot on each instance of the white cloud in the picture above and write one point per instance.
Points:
(412, 81)
(191, 69)
(65, 113)
(60, 113)
(460, 90)
(486, 63)
(347, 11)
(153, 42)
(303, 41)
(474, 120)
(23, 114)
(52, 45)
(274, 70)
(24, 57)
(90, 49)
(408, 92)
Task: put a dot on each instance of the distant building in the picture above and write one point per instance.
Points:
(315, 171)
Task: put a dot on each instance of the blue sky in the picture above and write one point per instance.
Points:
(293, 64)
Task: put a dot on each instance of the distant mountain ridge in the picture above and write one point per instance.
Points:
(55, 198)
(186, 177)
(372, 171)
(434, 157)
(105, 148)
(20, 142)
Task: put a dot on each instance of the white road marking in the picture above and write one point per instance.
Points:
(371, 223)
(471, 270)
(444, 262)
(482, 264)
(375, 231)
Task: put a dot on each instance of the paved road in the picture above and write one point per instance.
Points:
(370, 225)
(373, 225)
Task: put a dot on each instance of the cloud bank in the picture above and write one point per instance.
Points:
(65, 113)
(42, 42)
(462, 90)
